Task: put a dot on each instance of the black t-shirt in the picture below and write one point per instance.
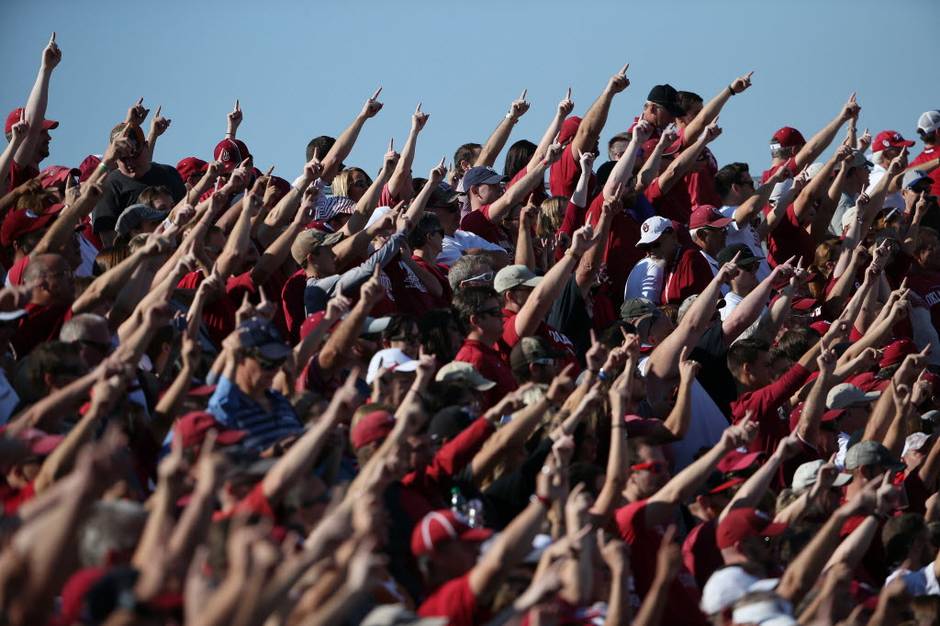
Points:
(121, 191)
(570, 316)
(712, 352)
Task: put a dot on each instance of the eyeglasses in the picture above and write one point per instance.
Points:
(654, 467)
(749, 267)
(485, 277)
(359, 184)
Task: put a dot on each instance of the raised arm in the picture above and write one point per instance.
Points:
(623, 170)
(542, 298)
(713, 107)
(36, 104)
(370, 198)
(682, 164)
(590, 264)
(344, 336)
(158, 126)
(345, 142)
(821, 140)
(399, 185)
(62, 229)
(596, 117)
(758, 200)
(755, 487)
(565, 107)
(494, 145)
(818, 185)
(287, 206)
(679, 418)
(815, 405)
(749, 309)
(518, 192)
(18, 134)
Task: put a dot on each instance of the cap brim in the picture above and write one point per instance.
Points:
(9, 316)
(841, 480)
(476, 535)
(745, 461)
(50, 124)
(375, 325)
(407, 366)
(274, 351)
(230, 437)
(484, 385)
(773, 529)
(719, 223)
(532, 282)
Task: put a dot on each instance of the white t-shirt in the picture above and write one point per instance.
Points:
(706, 425)
(892, 200)
(454, 246)
(747, 235)
(922, 582)
(645, 280)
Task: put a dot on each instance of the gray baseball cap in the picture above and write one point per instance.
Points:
(513, 276)
(866, 453)
(637, 307)
(132, 217)
(805, 476)
(845, 395)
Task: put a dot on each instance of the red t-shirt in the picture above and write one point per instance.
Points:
(689, 275)
(555, 339)
(620, 251)
(789, 238)
(929, 154)
(455, 601)
(487, 361)
(536, 195)
(927, 285)
(700, 553)
(40, 324)
(255, 503)
(478, 222)
(674, 204)
(219, 314)
(13, 498)
(683, 599)
(564, 173)
(15, 275)
(19, 174)
(770, 408)
(790, 163)
(292, 304)
(700, 184)
(411, 295)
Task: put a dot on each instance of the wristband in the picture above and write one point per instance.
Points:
(602, 374)
(545, 502)
(730, 91)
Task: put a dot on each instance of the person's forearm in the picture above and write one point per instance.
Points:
(507, 549)
(845, 283)
(48, 412)
(400, 182)
(623, 169)
(707, 115)
(341, 149)
(615, 477)
(815, 406)
(776, 214)
(654, 603)
(818, 142)
(805, 568)
(107, 286)
(754, 204)
(494, 145)
(897, 431)
(679, 418)
(590, 264)
(879, 420)
(853, 548)
(579, 197)
(60, 461)
(192, 529)
(748, 310)
(366, 205)
(508, 437)
(542, 298)
(684, 484)
(930, 468)
(6, 159)
(300, 457)
(275, 254)
(62, 229)
(594, 121)
(168, 404)
(286, 207)
(814, 189)
(525, 248)
(35, 114)
(755, 487)
(547, 138)
(518, 192)
(682, 165)
(159, 523)
(342, 339)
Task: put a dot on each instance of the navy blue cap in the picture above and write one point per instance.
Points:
(481, 176)
(261, 336)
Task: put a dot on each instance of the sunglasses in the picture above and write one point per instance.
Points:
(485, 277)
(494, 312)
(654, 467)
(268, 364)
(749, 267)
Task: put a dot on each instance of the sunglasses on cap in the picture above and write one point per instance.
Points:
(485, 277)
(268, 364)
(655, 467)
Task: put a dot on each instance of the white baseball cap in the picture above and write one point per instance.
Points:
(725, 587)
(929, 121)
(845, 395)
(805, 476)
(915, 442)
(652, 228)
(390, 359)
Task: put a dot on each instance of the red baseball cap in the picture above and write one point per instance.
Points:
(739, 460)
(23, 221)
(788, 137)
(40, 442)
(803, 304)
(821, 327)
(193, 428)
(648, 428)
(895, 352)
(707, 215)
(15, 116)
(371, 427)
(889, 139)
(569, 128)
(228, 154)
(829, 416)
(88, 166)
(189, 166)
(439, 527)
(56, 175)
(745, 522)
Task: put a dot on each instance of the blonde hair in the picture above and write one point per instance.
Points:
(343, 181)
(551, 215)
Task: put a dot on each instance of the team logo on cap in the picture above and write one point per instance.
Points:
(885, 143)
(645, 227)
(227, 155)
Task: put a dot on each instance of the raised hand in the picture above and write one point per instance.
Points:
(739, 434)
(898, 163)
(619, 81)
(234, 118)
(313, 168)
(337, 308)
(372, 290)
(712, 131)
(583, 239)
(688, 369)
(391, 157)
(851, 108)
(596, 354)
(844, 153)
(669, 556)
(518, 107)
(437, 174)
(419, 118)
(554, 152)
(741, 83)
(137, 114)
(729, 270)
(586, 159)
(159, 124)
(643, 130)
(19, 130)
(561, 386)
(51, 54)
(566, 106)
(864, 141)
(827, 360)
(372, 105)
(669, 135)
(615, 553)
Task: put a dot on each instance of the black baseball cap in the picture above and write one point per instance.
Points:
(666, 97)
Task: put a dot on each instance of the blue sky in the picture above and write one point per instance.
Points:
(304, 68)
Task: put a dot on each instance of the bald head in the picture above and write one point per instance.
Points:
(54, 277)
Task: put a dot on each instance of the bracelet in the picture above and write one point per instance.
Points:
(541, 500)
(730, 91)
(602, 374)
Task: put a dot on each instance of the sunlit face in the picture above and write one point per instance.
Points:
(650, 472)
(486, 194)
(657, 115)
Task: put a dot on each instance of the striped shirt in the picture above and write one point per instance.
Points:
(234, 409)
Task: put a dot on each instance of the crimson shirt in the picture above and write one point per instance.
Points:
(564, 173)
(292, 304)
(620, 251)
(927, 285)
(690, 274)
(674, 204)
(555, 339)
(13, 498)
(683, 597)
(41, 323)
(487, 361)
(700, 553)
(789, 238)
(455, 601)
(769, 409)
(409, 293)
(479, 223)
(929, 154)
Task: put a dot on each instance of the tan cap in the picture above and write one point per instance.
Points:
(309, 239)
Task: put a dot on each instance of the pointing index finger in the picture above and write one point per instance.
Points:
(568, 94)
(391, 145)
(157, 114)
(376, 94)
(141, 101)
(52, 39)
(623, 72)
(237, 105)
